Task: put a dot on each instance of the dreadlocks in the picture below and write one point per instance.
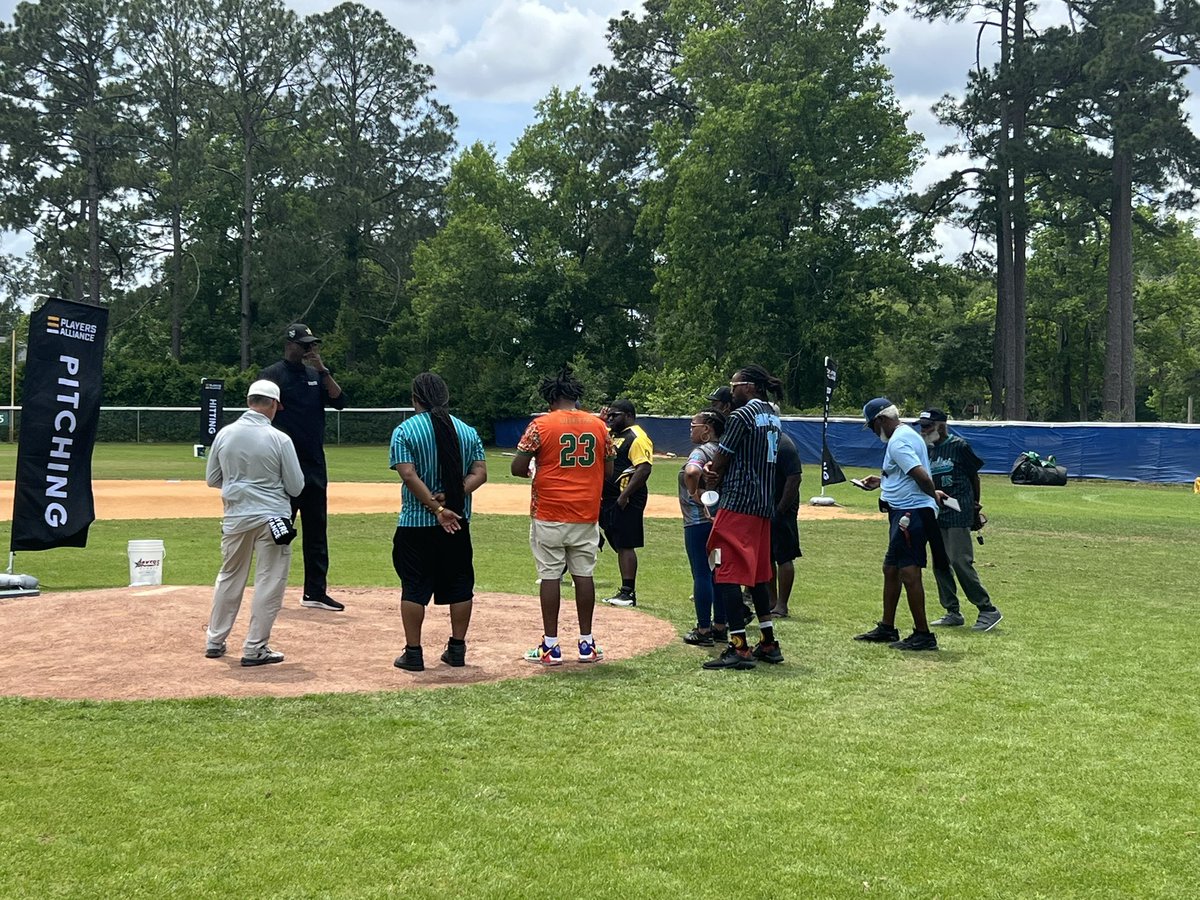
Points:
(431, 392)
(563, 386)
(763, 380)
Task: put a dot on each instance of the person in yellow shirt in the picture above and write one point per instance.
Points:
(623, 503)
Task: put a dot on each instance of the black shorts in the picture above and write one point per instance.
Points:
(623, 527)
(434, 565)
(785, 538)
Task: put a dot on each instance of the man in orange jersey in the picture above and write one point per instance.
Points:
(573, 455)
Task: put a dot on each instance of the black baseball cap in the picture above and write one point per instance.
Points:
(301, 334)
(623, 406)
(722, 395)
(931, 416)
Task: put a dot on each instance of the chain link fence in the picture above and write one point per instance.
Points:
(182, 424)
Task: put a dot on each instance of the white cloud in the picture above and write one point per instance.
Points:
(523, 48)
(435, 43)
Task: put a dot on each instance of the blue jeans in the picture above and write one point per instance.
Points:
(709, 606)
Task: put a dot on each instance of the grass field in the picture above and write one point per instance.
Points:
(1054, 757)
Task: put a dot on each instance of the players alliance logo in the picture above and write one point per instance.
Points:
(64, 327)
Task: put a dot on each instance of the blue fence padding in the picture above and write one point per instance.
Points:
(1167, 454)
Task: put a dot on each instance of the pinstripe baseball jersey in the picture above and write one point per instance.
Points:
(752, 438)
(413, 442)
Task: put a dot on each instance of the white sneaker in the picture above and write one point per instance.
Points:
(622, 598)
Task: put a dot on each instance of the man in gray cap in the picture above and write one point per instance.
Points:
(911, 502)
(955, 471)
(307, 387)
(256, 469)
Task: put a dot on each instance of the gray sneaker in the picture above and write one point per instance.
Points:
(987, 620)
(950, 619)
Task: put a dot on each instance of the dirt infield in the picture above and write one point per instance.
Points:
(148, 643)
(195, 499)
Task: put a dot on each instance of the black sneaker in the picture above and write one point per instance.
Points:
(732, 658)
(325, 602)
(411, 660)
(214, 652)
(265, 657)
(880, 634)
(918, 640)
(698, 638)
(622, 598)
(768, 652)
(454, 655)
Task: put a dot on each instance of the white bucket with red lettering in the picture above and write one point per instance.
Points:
(146, 562)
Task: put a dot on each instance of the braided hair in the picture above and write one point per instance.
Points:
(563, 386)
(714, 419)
(763, 381)
(431, 392)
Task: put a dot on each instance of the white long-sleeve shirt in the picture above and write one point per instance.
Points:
(256, 468)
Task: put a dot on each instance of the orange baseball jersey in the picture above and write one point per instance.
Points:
(569, 447)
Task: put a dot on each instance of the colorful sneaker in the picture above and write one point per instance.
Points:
(768, 652)
(590, 652)
(545, 656)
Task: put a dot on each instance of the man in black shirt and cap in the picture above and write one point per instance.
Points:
(306, 387)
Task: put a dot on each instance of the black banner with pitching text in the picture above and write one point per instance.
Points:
(60, 409)
(831, 472)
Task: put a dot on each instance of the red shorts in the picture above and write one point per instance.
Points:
(745, 545)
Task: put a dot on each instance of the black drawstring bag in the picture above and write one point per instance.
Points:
(282, 530)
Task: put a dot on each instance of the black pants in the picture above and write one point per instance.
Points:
(311, 506)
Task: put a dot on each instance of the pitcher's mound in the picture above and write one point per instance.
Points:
(148, 643)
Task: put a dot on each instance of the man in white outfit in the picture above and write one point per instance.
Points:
(256, 468)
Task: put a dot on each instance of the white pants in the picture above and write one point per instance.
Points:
(270, 580)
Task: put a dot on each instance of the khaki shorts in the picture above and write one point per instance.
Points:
(559, 545)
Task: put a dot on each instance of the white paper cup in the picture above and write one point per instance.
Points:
(710, 498)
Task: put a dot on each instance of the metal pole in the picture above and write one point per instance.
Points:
(12, 399)
(1189, 411)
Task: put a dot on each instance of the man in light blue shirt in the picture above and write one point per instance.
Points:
(911, 502)
(256, 468)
